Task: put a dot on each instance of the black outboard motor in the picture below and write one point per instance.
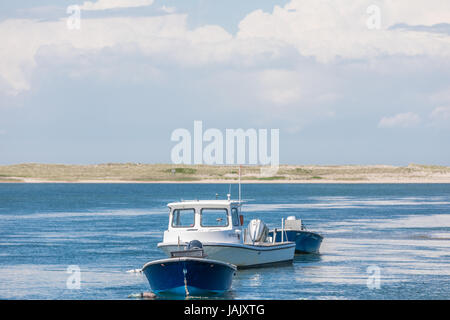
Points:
(193, 249)
(194, 244)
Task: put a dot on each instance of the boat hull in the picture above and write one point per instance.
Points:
(189, 276)
(305, 241)
(243, 255)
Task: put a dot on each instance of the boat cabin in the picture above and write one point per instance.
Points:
(211, 220)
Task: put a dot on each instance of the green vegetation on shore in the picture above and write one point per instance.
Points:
(34, 172)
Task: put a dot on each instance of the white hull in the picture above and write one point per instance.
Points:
(243, 255)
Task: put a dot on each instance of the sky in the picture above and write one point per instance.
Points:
(344, 81)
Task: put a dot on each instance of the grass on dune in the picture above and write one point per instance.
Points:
(172, 172)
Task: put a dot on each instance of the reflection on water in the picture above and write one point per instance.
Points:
(401, 230)
(307, 258)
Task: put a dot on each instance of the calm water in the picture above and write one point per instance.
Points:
(401, 230)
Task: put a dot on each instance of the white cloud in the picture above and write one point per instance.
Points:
(321, 29)
(440, 114)
(327, 30)
(168, 9)
(165, 36)
(414, 12)
(401, 120)
(114, 4)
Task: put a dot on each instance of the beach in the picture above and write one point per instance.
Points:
(172, 173)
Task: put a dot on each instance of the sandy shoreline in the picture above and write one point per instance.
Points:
(324, 181)
(181, 174)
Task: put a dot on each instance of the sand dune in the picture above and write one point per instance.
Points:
(169, 173)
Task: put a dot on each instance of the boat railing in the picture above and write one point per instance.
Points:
(283, 235)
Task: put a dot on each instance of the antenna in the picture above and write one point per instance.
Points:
(240, 204)
(240, 166)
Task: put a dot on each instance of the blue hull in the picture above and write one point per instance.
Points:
(305, 241)
(189, 276)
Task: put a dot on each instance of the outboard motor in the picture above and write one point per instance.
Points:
(194, 244)
(193, 249)
(257, 230)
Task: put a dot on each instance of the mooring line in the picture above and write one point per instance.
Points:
(185, 281)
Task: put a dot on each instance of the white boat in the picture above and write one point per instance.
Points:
(219, 226)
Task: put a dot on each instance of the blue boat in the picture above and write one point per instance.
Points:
(189, 273)
(294, 230)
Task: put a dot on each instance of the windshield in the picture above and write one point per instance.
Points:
(214, 217)
(183, 218)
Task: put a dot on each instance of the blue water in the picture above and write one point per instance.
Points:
(398, 234)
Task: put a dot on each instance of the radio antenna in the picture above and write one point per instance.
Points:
(240, 166)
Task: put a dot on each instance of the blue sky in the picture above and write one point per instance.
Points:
(340, 89)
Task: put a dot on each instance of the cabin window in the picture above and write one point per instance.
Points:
(183, 218)
(214, 217)
(235, 216)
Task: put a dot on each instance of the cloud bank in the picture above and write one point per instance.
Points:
(323, 30)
